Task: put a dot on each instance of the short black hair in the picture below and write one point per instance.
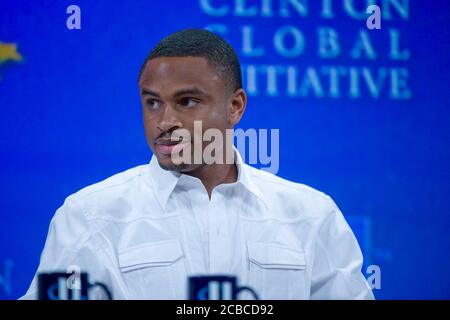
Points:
(201, 43)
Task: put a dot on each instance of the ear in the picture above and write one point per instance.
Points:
(236, 106)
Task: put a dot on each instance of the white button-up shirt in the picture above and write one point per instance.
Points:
(144, 231)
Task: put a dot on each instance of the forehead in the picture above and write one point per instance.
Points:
(173, 73)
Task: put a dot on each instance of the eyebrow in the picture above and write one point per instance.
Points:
(182, 92)
(149, 92)
(193, 91)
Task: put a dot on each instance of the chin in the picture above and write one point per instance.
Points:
(168, 165)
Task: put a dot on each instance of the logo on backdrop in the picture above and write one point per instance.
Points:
(347, 60)
(5, 277)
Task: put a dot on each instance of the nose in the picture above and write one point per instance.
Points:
(169, 120)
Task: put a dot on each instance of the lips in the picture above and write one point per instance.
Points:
(166, 147)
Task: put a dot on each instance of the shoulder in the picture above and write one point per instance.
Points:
(121, 180)
(291, 197)
(113, 193)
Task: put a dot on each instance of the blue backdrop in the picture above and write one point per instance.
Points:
(363, 115)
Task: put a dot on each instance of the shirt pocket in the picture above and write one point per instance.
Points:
(277, 272)
(153, 270)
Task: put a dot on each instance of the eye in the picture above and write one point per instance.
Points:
(153, 104)
(188, 102)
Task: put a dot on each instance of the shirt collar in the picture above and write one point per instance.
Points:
(165, 181)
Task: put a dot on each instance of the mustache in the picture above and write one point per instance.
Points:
(173, 137)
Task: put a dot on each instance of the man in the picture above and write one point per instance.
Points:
(145, 230)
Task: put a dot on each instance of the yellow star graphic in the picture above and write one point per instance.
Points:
(8, 52)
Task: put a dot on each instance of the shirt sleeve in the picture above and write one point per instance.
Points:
(70, 245)
(338, 261)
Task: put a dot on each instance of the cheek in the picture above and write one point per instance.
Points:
(149, 128)
(217, 119)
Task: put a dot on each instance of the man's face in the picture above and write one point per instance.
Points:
(175, 92)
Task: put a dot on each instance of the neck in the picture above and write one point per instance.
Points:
(214, 174)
